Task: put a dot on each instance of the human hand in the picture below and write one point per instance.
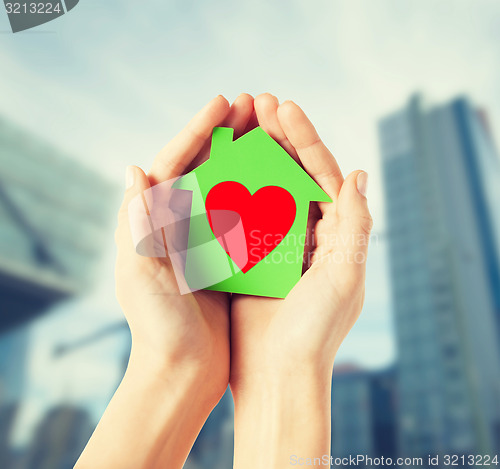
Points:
(308, 326)
(179, 364)
(173, 332)
(282, 350)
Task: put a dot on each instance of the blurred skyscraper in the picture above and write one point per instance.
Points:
(213, 449)
(54, 215)
(441, 172)
(363, 412)
(59, 438)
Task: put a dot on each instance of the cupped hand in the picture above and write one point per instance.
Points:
(303, 332)
(186, 333)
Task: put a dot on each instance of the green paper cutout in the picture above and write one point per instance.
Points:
(254, 160)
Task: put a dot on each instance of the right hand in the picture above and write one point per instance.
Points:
(186, 333)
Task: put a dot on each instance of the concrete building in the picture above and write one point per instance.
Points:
(440, 167)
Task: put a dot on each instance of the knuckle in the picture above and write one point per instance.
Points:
(118, 235)
(366, 224)
(122, 221)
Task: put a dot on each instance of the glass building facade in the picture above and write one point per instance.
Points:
(441, 173)
(55, 216)
(363, 412)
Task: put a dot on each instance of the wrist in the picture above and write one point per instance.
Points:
(272, 387)
(268, 375)
(283, 414)
(153, 418)
(175, 376)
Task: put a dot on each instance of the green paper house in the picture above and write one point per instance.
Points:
(273, 262)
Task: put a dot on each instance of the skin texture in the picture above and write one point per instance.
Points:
(283, 350)
(277, 355)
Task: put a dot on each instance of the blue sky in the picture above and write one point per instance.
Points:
(111, 82)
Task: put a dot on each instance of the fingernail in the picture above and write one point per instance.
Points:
(362, 183)
(129, 177)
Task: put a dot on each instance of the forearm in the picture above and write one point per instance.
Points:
(152, 420)
(282, 416)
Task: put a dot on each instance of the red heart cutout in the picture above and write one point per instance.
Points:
(248, 226)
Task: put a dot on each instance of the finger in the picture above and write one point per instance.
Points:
(239, 115)
(252, 123)
(179, 152)
(355, 224)
(136, 182)
(353, 213)
(266, 109)
(343, 238)
(314, 155)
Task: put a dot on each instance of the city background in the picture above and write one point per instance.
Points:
(407, 91)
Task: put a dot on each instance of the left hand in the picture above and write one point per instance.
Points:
(270, 336)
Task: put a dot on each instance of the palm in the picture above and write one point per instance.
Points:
(295, 324)
(318, 312)
(193, 327)
(187, 330)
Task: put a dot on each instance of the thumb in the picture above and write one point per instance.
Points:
(352, 204)
(134, 205)
(355, 223)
